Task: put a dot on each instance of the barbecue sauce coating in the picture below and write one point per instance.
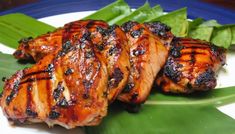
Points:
(191, 66)
(147, 56)
(53, 89)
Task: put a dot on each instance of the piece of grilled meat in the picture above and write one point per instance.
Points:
(191, 66)
(67, 88)
(48, 43)
(109, 41)
(147, 55)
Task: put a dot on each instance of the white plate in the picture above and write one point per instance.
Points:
(225, 79)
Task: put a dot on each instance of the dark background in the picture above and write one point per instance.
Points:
(8, 4)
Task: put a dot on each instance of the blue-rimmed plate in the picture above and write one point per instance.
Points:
(59, 12)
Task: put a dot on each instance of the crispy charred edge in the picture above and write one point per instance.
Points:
(13, 85)
(115, 78)
(158, 28)
(126, 27)
(23, 52)
(171, 70)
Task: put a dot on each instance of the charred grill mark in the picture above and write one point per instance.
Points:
(25, 40)
(29, 111)
(87, 84)
(101, 30)
(100, 47)
(193, 53)
(67, 32)
(13, 92)
(175, 51)
(63, 103)
(58, 91)
(11, 96)
(29, 87)
(35, 79)
(49, 70)
(90, 24)
(111, 30)
(85, 36)
(113, 50)
(171, 69)
(136, 33)
(126, 27)
(128, 87)
(34, 73)
(196, 45)
(193, 59)
(68, 71)
(134, 97)
(189, 86)
(158, 28)
(54, 115)
(107, 32)
(207, 78)
(89, 54)
(18, 53)
(115, 78)
(105, 94)
(66, 47)
(4, 79)
(138, 51)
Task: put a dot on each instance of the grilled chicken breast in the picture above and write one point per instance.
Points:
(191, 66)
(85, 65)
(67, 88)
(147, 56)
(109, 41)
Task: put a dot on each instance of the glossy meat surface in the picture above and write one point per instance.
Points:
(109, 42)
(65, 88)
(147, 56)
(191, 66)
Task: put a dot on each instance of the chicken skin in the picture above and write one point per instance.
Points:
(67, 88)
(147, 56)
(109, 41)
(84, 66)
(191, 66)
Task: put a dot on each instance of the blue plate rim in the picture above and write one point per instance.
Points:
(45, 8)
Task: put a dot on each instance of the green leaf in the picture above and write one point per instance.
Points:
(233, 35)
(8, 66)
(155, 12)
(194, 23)
(177, 20)
(210, 23)
(142, 14)
(115, 10)
(222, 36)
(172, 114)
(137, 14)
(203, 31)
(17, 26)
